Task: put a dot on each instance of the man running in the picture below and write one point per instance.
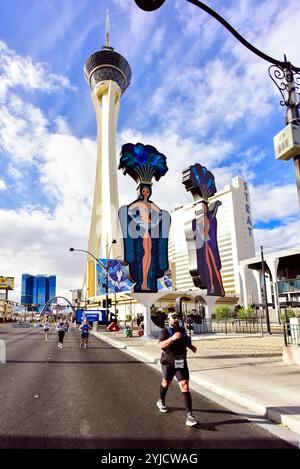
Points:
(173, 341)
(85, 331)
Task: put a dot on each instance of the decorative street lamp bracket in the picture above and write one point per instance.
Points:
(288, 83)
(279, 71)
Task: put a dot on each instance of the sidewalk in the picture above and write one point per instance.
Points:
(246, 370)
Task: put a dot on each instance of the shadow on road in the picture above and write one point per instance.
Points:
(81, 362)
(194, 442)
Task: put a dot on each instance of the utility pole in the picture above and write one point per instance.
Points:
(265, 289)
(106, 289)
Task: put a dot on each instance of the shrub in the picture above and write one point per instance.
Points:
(252, 311)
(243, 313)
(290, 313)
(222, 312)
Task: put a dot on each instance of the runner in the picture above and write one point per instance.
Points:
(67, 325)
(173, 341)
(85, 331)
(46, 326)
(60, 327)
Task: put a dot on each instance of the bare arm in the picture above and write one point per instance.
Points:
(155, 207)
(166, 343)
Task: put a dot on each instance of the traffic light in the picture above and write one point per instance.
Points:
(108, 303)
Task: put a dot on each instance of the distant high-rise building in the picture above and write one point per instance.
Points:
(37, 289)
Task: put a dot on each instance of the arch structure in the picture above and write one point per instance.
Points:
(54, 299)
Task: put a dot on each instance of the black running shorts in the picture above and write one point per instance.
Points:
(169, 371)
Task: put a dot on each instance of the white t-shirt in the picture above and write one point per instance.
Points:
(46, 325)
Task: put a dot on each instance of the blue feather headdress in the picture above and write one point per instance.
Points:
(142, 163)
(199, 181)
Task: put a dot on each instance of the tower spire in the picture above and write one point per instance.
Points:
(107, 28)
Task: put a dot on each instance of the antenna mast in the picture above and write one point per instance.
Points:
(107, 28)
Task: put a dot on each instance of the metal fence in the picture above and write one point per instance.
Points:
(228, 326)
(291, 334)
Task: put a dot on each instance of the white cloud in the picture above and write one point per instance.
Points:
(270, 202)
(34, 242)
(211, 100)
(155, 45)
(62, 126)
(232, 87)
(67, 175)
(283, 237)
(193, 21)
(2, 185)
(23, 129)
(15, 173)
(37, 240)
(18, 71)
(270, 27)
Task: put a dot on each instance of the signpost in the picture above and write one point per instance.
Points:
(6, 283)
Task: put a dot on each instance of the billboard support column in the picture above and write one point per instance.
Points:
(147, 300)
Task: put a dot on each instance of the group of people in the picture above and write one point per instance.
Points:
(62, 327)
(173, 342)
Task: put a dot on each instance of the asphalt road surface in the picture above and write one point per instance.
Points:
(103, 398)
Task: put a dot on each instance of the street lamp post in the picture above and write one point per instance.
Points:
(265, 289)
(106, 275)
(103, 267)
(285, 76)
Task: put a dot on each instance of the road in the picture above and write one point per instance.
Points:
(103, 398)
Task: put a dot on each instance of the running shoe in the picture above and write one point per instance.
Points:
(162, 406)
(191, 421)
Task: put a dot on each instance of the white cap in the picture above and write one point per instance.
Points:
(170, 315)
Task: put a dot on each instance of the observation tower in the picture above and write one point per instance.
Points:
(108, 75)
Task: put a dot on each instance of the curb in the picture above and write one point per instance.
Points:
(277, 415)
(131, 350)
(110, 341)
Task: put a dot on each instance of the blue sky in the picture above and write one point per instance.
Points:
(196, 94)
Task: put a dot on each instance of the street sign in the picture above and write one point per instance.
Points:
(91, 315)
